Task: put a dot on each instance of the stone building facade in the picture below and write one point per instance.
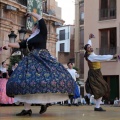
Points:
(12, 19)
(102, 18)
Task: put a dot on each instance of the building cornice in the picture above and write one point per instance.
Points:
(20, 7)
(23, 9)
(52, 18)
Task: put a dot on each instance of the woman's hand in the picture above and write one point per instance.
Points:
(14, 45)
(5, 48)
(115, 56)
(28, 14)
(91, 36)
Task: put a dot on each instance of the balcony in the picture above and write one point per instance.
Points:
(106, 14)
(106, 51)
(81, 22)
(22, 2)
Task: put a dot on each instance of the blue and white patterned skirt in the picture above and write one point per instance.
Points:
(39, 78)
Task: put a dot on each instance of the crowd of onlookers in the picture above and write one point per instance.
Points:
(117, 102)
(82, 100)
(4, 75)
(89, 100)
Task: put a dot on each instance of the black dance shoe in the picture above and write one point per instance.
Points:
(99, 109)
(43, 109)
(76, 104)
(49, 104)
(69, 105)
(24, 113)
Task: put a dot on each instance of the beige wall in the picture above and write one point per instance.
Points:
(58, 11)
(79, 40)
(51, 4)
(77, 36)
(92, 25)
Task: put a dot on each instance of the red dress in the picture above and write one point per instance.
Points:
(4, 99)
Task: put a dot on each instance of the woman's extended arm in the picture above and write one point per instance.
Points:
(100, 58)
(41, 22)
(37, 16)
(14, 45)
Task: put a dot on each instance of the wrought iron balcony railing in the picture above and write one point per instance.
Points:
(106, 51)
(105, 14)
(22, 2)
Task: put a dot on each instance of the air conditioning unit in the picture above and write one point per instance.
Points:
(9, 7)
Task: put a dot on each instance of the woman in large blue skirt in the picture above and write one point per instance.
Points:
(39, 78)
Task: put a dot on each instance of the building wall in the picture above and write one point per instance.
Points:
(68, 54)
(79, 36)
(77, 33)
(64, 58)
(67, 39)
(92, 25)
(58, 11)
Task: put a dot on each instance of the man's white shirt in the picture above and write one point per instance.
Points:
(98, 58)
(73, 73)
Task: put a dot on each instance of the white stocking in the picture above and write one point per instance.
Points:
(69, 101)
(76, 101)
(98, 102)
(27, 106)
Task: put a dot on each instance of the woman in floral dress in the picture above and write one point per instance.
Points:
(39, 78)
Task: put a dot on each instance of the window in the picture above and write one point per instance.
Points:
(62, 35)
(82, 12)
(44, 6)
(22, 2)
(82, 16)
(72, 60)
(107, 9)
(62, 46)
(108, 42)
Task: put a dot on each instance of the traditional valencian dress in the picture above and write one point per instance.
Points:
(39, 78)
(97, 85)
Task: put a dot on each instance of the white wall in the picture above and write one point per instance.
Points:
(66, 41)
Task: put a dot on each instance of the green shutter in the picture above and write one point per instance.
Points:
(33, 6)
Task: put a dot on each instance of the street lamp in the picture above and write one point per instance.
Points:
(22, 33)
(12, 36)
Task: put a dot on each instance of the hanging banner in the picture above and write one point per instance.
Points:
(36, 7)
